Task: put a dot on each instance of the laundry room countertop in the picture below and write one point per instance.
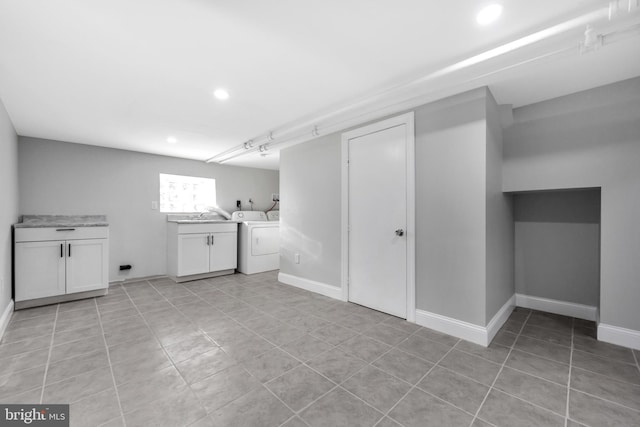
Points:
(210, 218)
(35, 221)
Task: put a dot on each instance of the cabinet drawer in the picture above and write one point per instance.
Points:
(206, 228)
(61, 233)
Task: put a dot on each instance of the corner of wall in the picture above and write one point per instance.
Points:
(8, 209)
(619, 336)
(500, 277)
(481, 335)
(5, 318)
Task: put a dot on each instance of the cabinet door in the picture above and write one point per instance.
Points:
(193, 254)
(39, 269)
(224, 251)
(87, 265)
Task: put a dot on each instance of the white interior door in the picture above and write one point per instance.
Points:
(377, 218)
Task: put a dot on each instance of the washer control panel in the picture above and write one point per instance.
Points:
(248, 216)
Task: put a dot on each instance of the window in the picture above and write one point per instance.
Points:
(180, 193)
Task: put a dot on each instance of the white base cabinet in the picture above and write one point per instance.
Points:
(201, 250)
(52, 262)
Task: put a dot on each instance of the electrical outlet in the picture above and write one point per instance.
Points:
(154, 206)
(275, 197)
(238, 204)
(296, 257)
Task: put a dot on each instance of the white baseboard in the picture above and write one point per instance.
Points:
(619, 336)
(467, 331)
(500, 318)
(6, 317)
(311, 285)
(564, 308)
(448, 325)
(125, 281)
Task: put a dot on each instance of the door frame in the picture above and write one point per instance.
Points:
(406, 119)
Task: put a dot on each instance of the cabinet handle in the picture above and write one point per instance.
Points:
(69, 250)
(212, 237)
(208, 241)
(61, 250)
(65, 229)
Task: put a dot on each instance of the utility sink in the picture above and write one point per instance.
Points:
(209, 218)
(198, 221)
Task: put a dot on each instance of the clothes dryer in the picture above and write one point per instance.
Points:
(258, 242)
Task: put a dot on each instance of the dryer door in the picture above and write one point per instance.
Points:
(265, 240)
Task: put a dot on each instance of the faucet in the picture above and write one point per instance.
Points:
(217, 210)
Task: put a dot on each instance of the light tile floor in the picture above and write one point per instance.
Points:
(249, 351)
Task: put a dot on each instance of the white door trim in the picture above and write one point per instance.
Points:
(404, 119)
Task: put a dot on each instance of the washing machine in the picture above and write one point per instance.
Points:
(258, 242)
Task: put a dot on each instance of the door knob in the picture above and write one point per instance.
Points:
(399, 232)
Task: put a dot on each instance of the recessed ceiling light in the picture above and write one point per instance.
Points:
(489, 14)
(172, 139)
(221, 94)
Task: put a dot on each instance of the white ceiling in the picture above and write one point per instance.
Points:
(128, 74)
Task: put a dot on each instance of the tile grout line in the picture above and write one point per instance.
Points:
(333, 347)
(174, 364)
(384, 414)
(106, 347)
(532, 375)
(336, 384)
(608, 401)
(510, 367)
(413, 387)
(500, 370)
(279, 347)
(162, 346)
(577, 367)
(240, 364)
(339, 385)
(155, 337)
(46, 369)
(293, 417)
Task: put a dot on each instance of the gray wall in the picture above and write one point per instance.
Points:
(557, 242)
(450, 207)
(500, 230)
(64, 178)
(452, 204)
(310, 187)
(589, 139)
(9, 202)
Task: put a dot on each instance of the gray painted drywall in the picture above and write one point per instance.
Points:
(63, 178)
(450, 208)
(557, 245)
(9, 203)
(310, 188)
(589, 139)
(500, 228)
